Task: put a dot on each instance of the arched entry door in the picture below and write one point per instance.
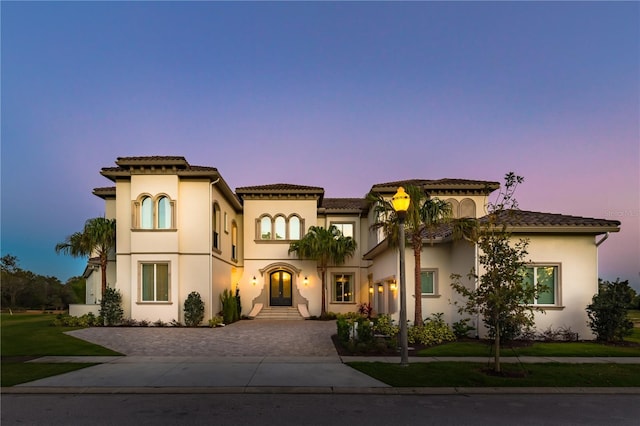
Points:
(280, 288)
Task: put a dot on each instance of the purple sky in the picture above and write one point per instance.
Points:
(337, 95)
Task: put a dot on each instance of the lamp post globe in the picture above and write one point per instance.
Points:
(401, 201)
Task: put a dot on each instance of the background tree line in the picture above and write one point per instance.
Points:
(22, 289)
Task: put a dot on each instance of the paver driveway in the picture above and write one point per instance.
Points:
(243, 338)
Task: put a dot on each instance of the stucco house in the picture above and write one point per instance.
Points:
(181, 228)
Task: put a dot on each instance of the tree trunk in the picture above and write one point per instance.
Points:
(323, 310)
(104, 261)
(496, 366)
(417, 283)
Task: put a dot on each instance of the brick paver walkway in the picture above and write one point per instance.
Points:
(243, 338)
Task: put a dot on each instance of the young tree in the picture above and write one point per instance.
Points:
(501, 289)
(608, 311)
(98, 237)
(425, 217)
(327, 247)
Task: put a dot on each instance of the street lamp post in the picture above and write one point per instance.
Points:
(401, 203)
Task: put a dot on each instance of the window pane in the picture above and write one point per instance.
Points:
(294, 228)
(265, 228)
(164, 213)
(146, 214)
(281, 228)
(162, 282)
(546, 277)
(528, 282)
(346, 288)
(426, 282)
(147, 282)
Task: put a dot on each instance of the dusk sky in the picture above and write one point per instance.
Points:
(336, 95)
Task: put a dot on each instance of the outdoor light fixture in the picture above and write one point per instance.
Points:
(306, 281)
(253, 281)
(392, 286)
(380, 289)
(401, 203)
(370, 289)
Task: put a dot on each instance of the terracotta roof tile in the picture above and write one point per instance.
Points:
(277, 187)
(446, 184)
(523, 218)
(345, 203)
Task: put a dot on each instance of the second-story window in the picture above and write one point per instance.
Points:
(234, 241)
(146, 213)
(345, 228)
(294, 228)
(154, 212)
(215, 227)
(279, 227)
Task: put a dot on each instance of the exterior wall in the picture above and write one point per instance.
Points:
(576, 257)
(259, 254)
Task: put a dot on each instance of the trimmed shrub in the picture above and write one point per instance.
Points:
(111, 307)
(433, 332)
(608, 311)
(384, 325)
(193, 309)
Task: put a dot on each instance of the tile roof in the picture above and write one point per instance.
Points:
(550, 221)
(278, 187)
(345, 203)
(447, 184)
(104, 192)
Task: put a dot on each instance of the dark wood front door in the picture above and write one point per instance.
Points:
(280, 285)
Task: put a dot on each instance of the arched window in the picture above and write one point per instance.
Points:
(454, 207)
(281, 228)
(215, 227)
(146, 213)
(164, 213)
(234, 241)
(467, 208)
(294, 228)
(265, 228)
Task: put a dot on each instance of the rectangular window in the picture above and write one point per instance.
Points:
(546, 279)
(345, 228)
(343, 288)
(155, 282)
(428, 282)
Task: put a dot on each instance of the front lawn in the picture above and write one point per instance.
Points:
(468, 374)
(559, 349)
(29, 336)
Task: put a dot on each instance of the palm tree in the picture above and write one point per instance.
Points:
(426, 219)
(327, 247)
(98, 237)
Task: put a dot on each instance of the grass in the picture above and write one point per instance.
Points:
(467, 374)
(28, 336)
(557, 349)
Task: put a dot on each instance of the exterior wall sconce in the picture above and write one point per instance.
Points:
(392, 286)
(306, 281)
(380, 289)
(253, 281)
(370, 289)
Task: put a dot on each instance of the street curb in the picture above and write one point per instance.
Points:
(23, 390)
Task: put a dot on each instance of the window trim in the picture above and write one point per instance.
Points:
(140, 300)
(342, 223)
(136, 216)
(557, 302)
(435, 283)
(216, 220)
(272, 220)
(234, 241)
(352, 289)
